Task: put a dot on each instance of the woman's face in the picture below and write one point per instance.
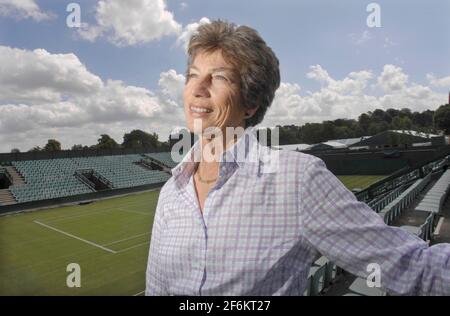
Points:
(211, 93)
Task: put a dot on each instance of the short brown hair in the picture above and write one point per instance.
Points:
(243, 47)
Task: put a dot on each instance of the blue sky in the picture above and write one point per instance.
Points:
(405, 62)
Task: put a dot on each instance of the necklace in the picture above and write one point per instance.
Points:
(203, 180)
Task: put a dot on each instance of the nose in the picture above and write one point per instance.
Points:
(201, 88)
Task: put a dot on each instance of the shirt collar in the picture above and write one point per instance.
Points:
(246, 153)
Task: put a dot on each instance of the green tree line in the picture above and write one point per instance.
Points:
(367, 124)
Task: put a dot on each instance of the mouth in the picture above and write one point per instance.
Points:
(199, 110)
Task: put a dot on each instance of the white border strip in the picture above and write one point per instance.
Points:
(125, 239)
(75, 237)
(132, 247)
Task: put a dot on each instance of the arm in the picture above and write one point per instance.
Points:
(351, 234)
(154, 277)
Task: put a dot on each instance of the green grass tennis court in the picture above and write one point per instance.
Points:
(109, 239)
(360, 181)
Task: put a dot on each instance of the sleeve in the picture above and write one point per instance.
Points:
(351, 234)
(155, 285)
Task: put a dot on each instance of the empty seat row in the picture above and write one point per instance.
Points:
(425, 230)
(436, 196)
(54, 178)
(321, 275)
(395, 208)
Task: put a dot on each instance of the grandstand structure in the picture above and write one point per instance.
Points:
(417, 202)
(23, 182)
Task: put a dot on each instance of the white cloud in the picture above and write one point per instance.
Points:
(319, 74)
(45, 95)
(355, 83)
(172, 85)
(23, 9)
(189, 30)
(36, 77)
(439, 82)
(349, 97)
(131, 22)
(392, 78)
(55, 96)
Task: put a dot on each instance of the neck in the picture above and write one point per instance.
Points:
(211, 150)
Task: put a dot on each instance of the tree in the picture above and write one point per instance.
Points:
(393, 113)
(106, 142)
(442, 118)
(328, 130)
(288, 134)
(401, 123)
(35, 149)
(15, 150)
(311, 133)
(52, 145)
(140, 139)
(343, 132)
(364, 122)
(379, 127)
(78, 147)
(378, 116)
(424, 119)
(406, 112)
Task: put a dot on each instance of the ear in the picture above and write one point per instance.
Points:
(250, 112)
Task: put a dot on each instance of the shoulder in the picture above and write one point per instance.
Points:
(289, 161)
(167, 191)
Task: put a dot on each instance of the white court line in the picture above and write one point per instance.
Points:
(132, 237)
(438, 227)
(126, 249)
(75, 237)
(137, 294)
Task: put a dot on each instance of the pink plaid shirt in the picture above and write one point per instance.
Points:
(267, 218)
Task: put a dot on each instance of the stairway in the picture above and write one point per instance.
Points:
(6, 198)
(15, 175)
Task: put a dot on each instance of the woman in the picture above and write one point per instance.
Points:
(252, 222)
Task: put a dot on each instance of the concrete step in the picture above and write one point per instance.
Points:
(6, 197)
(18, 179)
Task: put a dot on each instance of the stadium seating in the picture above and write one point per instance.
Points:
(378, 204)
(46, 179)
(55, 178)
(321, 275)
(391, 211)
(122, 171)
(389, 206)
(165, 158)
(436, 196)
(359, 287)
(424, 231)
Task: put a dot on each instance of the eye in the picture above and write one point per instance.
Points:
(191, 75)
(220, 77)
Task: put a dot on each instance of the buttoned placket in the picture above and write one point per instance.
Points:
(225, 171)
